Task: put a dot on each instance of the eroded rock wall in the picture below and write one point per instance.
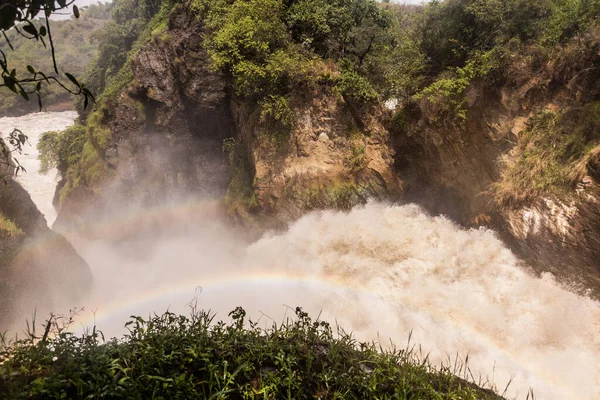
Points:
(166, 132)
(451, 166)
(39, 267)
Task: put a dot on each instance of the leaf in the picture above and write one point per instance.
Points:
(72, 79)
(39, 100)
(62, 3)
(43, 31)
(76, 11)
(38, 86)
(9, 81)
(85, 102)
(24, 94)
(31, 29)
(87, 92)
(30, 69)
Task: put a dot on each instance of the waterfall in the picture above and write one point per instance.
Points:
(382, 271)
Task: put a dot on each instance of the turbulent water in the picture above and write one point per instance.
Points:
(381, 271)
(40, 187)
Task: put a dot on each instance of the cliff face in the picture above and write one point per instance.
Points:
(177, 130)
(332, 158)
(38, 267)
(159, 140)
(462, 168)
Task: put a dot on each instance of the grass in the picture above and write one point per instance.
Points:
(552, 154)
(178, 357)
(9, 227)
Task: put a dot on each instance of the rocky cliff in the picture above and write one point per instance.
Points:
(523, 162)
(39, 267)
(177, 130)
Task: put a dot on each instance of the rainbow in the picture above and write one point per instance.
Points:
(130, 223)
(163, 294)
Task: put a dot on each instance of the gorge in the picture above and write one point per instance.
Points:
(220, 171)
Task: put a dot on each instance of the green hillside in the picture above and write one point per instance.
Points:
(76, 45)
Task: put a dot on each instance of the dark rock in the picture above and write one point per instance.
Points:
(40, 269)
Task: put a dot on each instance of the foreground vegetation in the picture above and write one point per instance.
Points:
(171, 356)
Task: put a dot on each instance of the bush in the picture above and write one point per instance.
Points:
(61, 150)
(353, 85)
(172, 356)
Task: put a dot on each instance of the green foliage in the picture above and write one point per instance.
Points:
(358, 159)
(241, 196)
(341, 195)
(353, 85)
(337, 28)
(450, 88)
(61, 150)
(130, 27)
(395, 65)
(250, 42)
(452, 30)
(277, 109)
(553, 154)
(8, 227)
(17, 18)
(269, 48)
(172, 356)
(455, 34)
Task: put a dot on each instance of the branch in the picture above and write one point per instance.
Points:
(51, 42)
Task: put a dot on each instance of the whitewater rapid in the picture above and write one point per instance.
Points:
(40, 187)
(381, 271)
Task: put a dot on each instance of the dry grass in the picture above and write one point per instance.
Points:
(554, 153)
(9, 227)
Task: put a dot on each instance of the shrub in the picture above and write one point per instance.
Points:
(450, 88)
(352, 85)
(173, 356)
(61, 150)
(277, 109)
